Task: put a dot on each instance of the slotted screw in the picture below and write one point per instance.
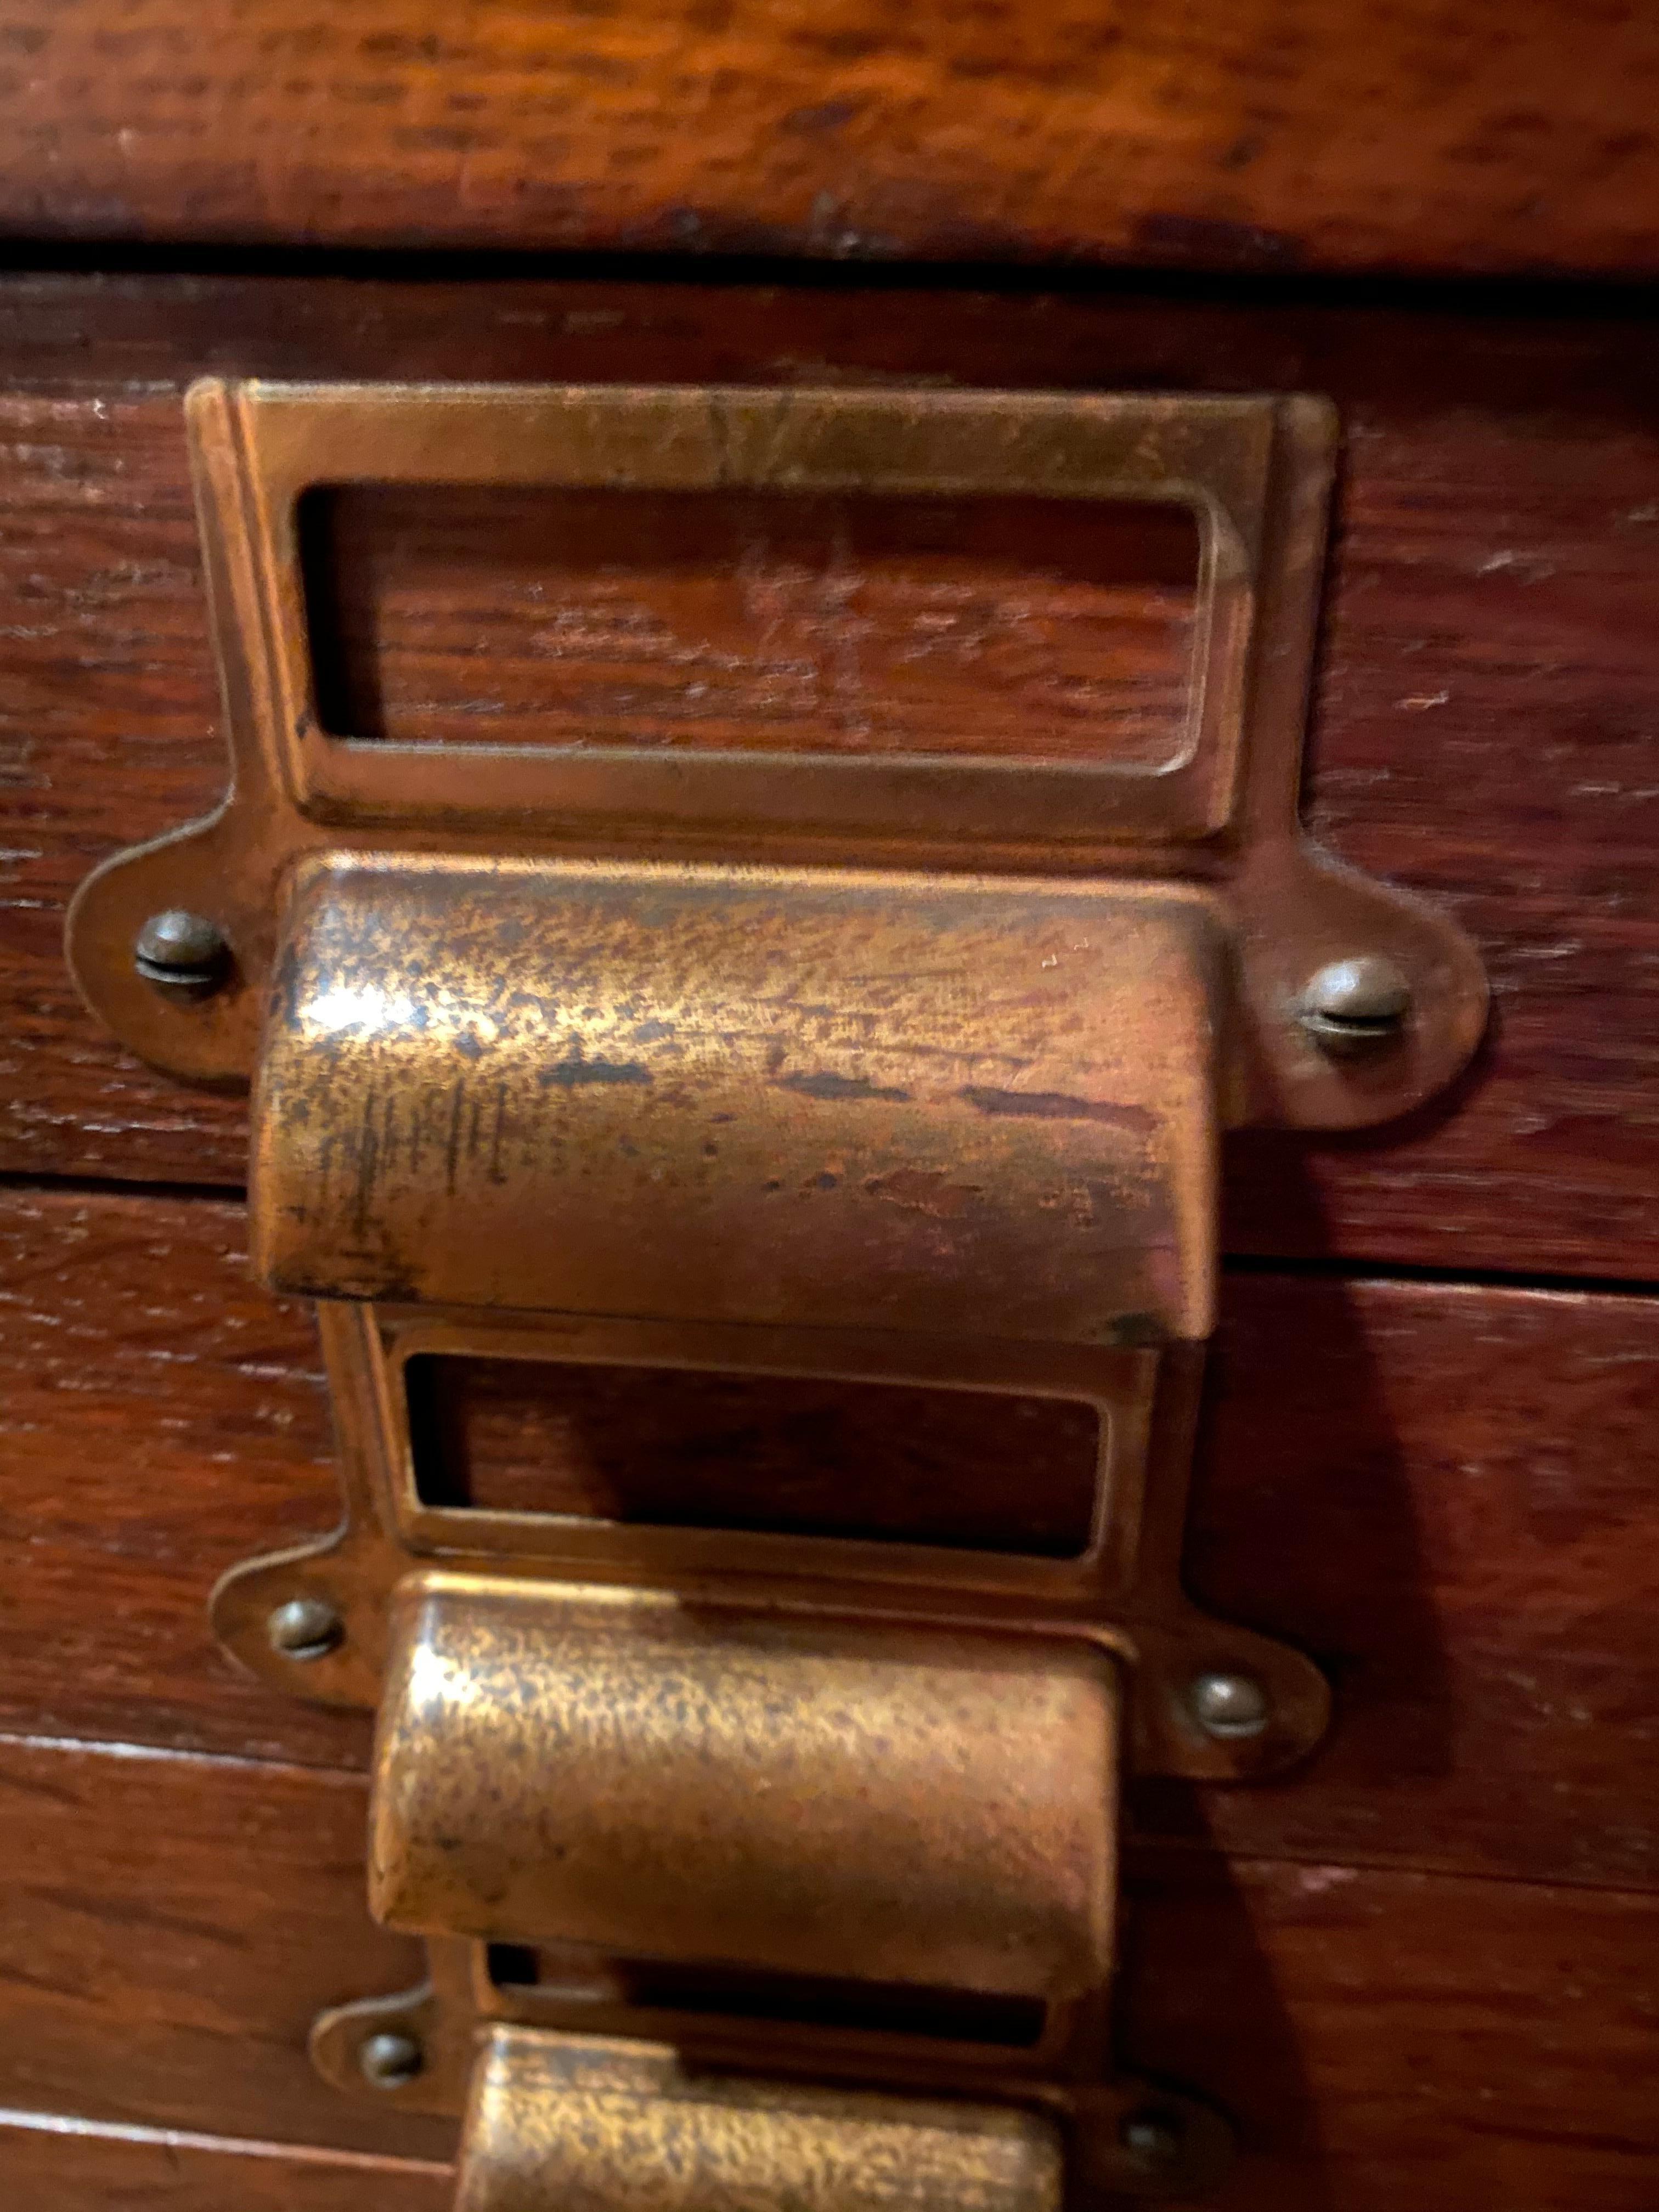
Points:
(388, 2060)
(1356, 1005)
(1153, 2140)
(304, 1628)
(183, 953)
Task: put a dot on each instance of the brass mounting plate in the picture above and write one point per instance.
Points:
(1123, 1593)
(468, 2028)
(553, 2121)
(1256, 473)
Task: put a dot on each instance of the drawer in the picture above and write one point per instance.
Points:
(1481, 730)
(1419, 1962)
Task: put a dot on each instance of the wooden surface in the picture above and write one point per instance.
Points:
(1445, 1494)
(1499, 134)
(667, 1447)
(1421, 1969)
(168, 1924)
(1485, 730)
(70, 2166)
(1388, 2041)
(170, 1927)
(1030, 628)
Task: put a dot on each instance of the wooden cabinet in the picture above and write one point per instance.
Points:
(1421, 1966)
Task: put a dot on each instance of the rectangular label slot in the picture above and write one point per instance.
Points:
(973, 1470)
(558, 620)
(788, 2000)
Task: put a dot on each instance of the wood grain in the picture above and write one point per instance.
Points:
(1263, 134)
(1022, 629)
(1385, 2039)
(170, 1927)
(73, 2166)
(1445, 1494)
(668, 1447)
(160, 1417)
(1485, 729)
(168, 1924)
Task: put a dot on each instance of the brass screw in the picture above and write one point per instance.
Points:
(185, 954)
(1152, 2139)
(389, 2060)
(306, 1628)
(1356, 1005)
(1225, 1705)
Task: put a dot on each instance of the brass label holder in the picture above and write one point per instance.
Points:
(894, 1070)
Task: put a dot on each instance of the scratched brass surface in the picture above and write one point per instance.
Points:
(612, 2127)
(729, 1094)
(932, 1807)
(1254, 472)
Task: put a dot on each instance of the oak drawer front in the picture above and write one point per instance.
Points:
(1495, 1661)
(1482, 729)
(173, 1921)
(1438, 1487)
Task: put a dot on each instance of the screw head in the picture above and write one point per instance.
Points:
(1355, 1005)
(388, 2060)
(1153, 2139)
(306, 1628)
(181, 952)
(1226, 1704)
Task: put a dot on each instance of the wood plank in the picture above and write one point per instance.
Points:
(161, 1416)
(168, 1924)
(1028, 629)
(169, 1930)
(74, 2166)
(1386, 2039)
(1265, 134)
(1444, 1493)
(1486, 689)
(666, 1447)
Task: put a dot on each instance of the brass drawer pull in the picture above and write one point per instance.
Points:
(903, 1072)
(923, 1807)
(864, 1102)
(552, 2121)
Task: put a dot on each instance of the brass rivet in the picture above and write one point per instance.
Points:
(180, 952)
(1355, 1005)
(1152, 2139)
(304, 1628)
(389, 2060)
(1226, 1704)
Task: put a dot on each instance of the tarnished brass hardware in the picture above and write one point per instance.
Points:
(1123, 1591)
(304, 1628)
(920, 1806)
(390, 2061)
(553, 2121)
(792, 1853)
(907, 1102)
(504, 2061)
(181, 952)
(1357, 1006)
(1254, 471)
